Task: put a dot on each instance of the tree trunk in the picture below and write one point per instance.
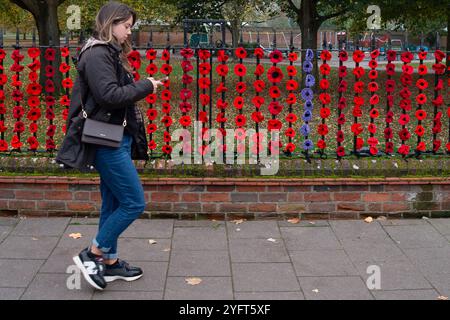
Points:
(48, 28)
(234, 28)
(309, 26)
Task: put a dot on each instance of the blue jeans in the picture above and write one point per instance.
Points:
(122, 195)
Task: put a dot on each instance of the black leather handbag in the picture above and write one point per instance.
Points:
(102, 133)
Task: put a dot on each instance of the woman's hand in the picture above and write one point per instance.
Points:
(157, 83)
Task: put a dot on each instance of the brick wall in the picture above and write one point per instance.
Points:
(230, 198)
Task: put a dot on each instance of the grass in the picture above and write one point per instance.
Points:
(231, 112)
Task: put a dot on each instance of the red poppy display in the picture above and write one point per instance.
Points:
(276, 56)
(274, 74)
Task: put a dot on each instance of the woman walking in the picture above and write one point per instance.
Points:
(106, 86)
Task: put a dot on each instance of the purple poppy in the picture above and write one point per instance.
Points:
(310, 81)
(307, 94)
(305, 130)
(309, 55)
(307, 115)
(308, 144)
(307, 66)
(309, 105)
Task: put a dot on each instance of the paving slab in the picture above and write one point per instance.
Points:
(293, 295)
(130, 295)
(317, 263)
(426, 294)
(47, 286)
(309, 238)
(41, 227)
(201, 238)
(264, 277)
(149, 229)
(198, 263)
(417, 236)
(253, 229)
(258, 250)
(11, 293)
(210, 288)
(16, 273)
(27, 247)
(334, 288)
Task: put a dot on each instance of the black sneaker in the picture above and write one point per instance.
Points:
(121, 270)
(92, 267)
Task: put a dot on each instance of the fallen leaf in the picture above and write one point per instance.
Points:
(312, 222)
(442, 298)
(75, 235)
(151, 241)
(166, 250)
(238, 229)
(271, 240)
(239, 221)
(382, 218)
(368, 219)
(294, 220)
(193, 281)
(315, 290)
(34, 239)
(355, 167)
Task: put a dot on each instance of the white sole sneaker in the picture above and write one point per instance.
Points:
(83, 270)
(113, 278)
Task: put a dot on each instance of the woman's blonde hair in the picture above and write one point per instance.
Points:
(108, 15)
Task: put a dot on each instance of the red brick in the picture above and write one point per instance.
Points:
(397, 187)
(215, 197)
(445, 206)
(297, 188)
(150, 187)
(317, 197)
(350, 206)
(81, 195)
(295, 197)
(7, 194)
(189, 188)
(398, 196)
(318, 207)
(275, 189)
(80, 206)
(60, 186)
(3, 204)
(51, 205)
(291, 208)
(244, 197)
(357, 188)
(233, 207)
(58, 195)
(272, 197)
(374, 207)
(96, 196)
(152, 206)
(395, 207)
(209, 207)
(29, 195)
(14, 204)
(376, 197)
(263, 207)
(220, 188)
(165, 187)
(347, 196)
(190, 197)
(186, 207)
(445, 187)
(165, 197)
(250, 188)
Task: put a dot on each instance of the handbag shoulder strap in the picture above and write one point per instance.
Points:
(83, 95)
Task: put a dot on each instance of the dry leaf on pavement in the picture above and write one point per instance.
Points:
(294, 220)
(75, 235)
(239, 221)
(442, 298)
(368, 219)
(271, 240)
(151, 241)
(193, 281)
